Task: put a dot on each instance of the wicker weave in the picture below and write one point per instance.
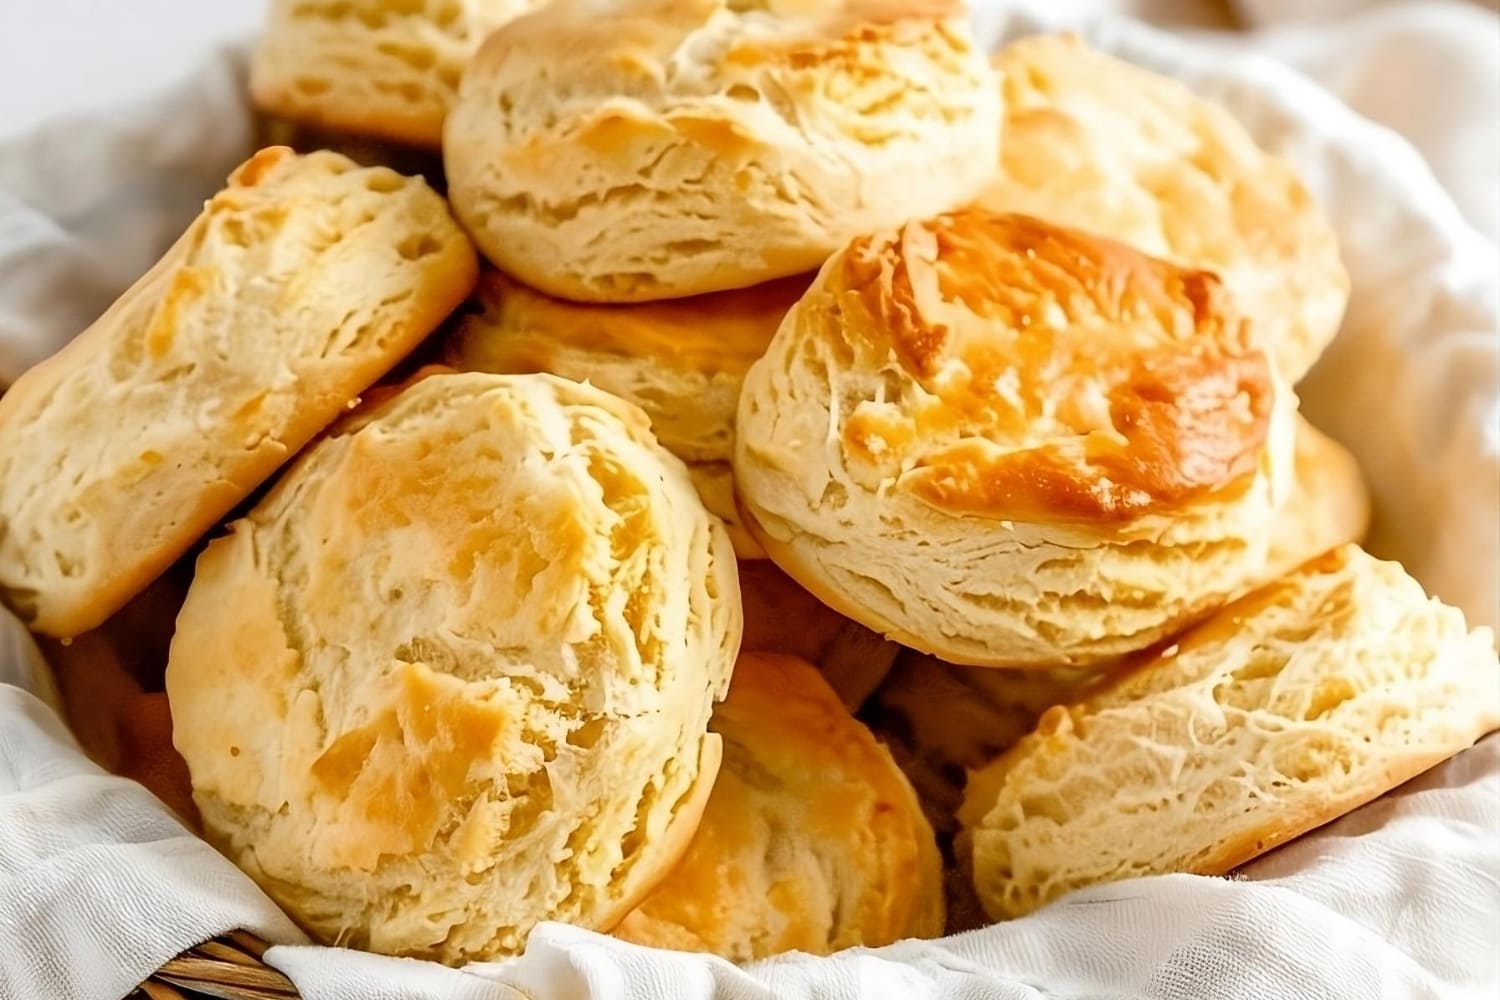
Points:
(226, 968)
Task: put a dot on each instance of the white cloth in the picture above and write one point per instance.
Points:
(98, 884)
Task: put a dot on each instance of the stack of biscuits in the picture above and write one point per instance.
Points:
(807, 484)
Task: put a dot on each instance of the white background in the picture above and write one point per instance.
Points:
(58, 56)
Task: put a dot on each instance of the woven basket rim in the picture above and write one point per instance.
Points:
(229, 967)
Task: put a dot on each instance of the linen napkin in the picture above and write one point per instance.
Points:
(99, 884)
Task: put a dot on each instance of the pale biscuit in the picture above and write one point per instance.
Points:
(452, 676)
(384, 68)
(1284, 711)
(1096, 143)
(1329, 504)
(812, 840)
(300, 284)
(681, 361)
(1010, 444)
(940, 722)
(655, 149)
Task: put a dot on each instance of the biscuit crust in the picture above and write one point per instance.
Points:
(1285, 710)
(812, 839)
(681, 361)
(1099, 144)
(389, 69)
(453, 675)
(666, 149)
(301, 284)
(1006, 443)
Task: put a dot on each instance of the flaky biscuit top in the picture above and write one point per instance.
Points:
(642, 150)
(299, 284)
(679, 48)
(452, 675)
(1095, 142)
(1030, 372)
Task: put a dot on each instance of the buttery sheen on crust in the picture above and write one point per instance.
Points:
(812, 840)
(1010, 444)
(301, 283)
(1096, 143)
(1282, 712)
(385, 68)
(681, 361)
(452, 676)
(653, 149)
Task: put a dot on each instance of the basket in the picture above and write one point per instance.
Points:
(231, 967)
(226, 968)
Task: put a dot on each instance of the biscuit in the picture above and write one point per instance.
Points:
(681, 361)
(1010, 444)
(383, 68)
(1282, 712)
(452, 676)
(940, 722)
(715, 484)
(812, 840)
(1329, 504)
(297, 287)
(657, 149)
(1104, 146)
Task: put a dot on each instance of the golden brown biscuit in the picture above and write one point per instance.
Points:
(452, 676)
(654, 149)
(1009, 444)
(300, 284)
(1096, 143)
(1284, 711)
(681, 361)
(386, 68)
(1329, 505)
(812, 840)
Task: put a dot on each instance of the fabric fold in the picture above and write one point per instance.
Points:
(99, 884)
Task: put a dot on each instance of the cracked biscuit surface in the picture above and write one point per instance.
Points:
(1285, 710)
(656, 149)
(812, 839)
(301, 283)
(681, 361)
(1006, 443)
(452, 676)
(1094, 142)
